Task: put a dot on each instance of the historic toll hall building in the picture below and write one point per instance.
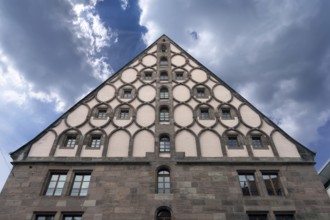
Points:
(163, 138)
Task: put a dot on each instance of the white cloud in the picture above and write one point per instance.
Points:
(124, 4)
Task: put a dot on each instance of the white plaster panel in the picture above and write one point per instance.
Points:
(129, 75)
(199, 75)
(263, 152)
(153, 49)
(178, 60)
(284, 147)
(60, 127)
(147, 93)
(118, 144)
(249, 116)
(185, 142)
(230, 122)
(97, 122)
(106, 93)
(207, 123)
(118, 84)
(183, 115)
(219, 129)
(187, 67)
(143, 142)
(214, 103)
(222, 93)
(132, 128)
(145, 116)
(174, 49)
(42, 147)
(78, 116)
(60, 152)
(92, 103)
(149, 60)
(190, 84)
(114, 103)
(235, 102)
(193, 103)
(109, 128)
(85, 128)
(135, 103)
(196, 128)
(121, 122)
(139, 67)
(136, 62)
(210, 83)
(237, 152)
(243, 129)
(192, 63)
(267, 128)
(181, 93)
(137, 84)
(91, 152)
(210, 145)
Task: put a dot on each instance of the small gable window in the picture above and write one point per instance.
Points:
(163, 94)
(95, 142)
(147, 75)
(102, 113)
(233, 142)
(163, 76)
(200, 92)
(124, 113)
(164, 114)
(127, 93)
(179, 75)
(164, 144)
(204, 114)
(163, 61)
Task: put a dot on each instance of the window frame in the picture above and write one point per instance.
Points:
(71, 215)
(58, 180)
(204, 113)
(231, 139)
(280, 215)
(164, 114)
(273, 189)
(163, 93)
(163, 61)
(148, 75)
(167, 212)
(102, 113)
(226, 113)
(69, 143)
(163, 178)
(83, 174)
(247, 183)
(45, 215)
(200, 92)
(124, 114)
(163, 76)
(177, 77)
(258, 216)
(164, 144)
(95, 141)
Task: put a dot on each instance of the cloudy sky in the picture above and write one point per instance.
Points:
(275, 53)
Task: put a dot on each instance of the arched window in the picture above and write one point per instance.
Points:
(163, 214)
(163, 181)
(163, 61)
(164, 144)
(163, 76)
(164, 114)
(163, 93)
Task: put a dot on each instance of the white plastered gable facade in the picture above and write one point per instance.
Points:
(206, 117)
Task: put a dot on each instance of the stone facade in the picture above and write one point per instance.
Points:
(221, 159)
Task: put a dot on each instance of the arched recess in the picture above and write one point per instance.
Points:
(260, 144)
(163, 213)
(210, 144)
(94, 142)
(144, 142)
(235, 144)
(119, 144)
(43, 146)
(185, 141)
(61, 148)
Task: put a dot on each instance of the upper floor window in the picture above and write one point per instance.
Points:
(232, 142)
(164, 114)
(204, 114)
(179, 75)
(272, 183)
(95, 142)
(55, 184)
(258, 217)
(163, 181)
(163, 61)
(70, 141)
(283, 216)
(248, 184)
(163, 94)
(102, 113)
(225, 113)
(124, 113)
(164, 144)
(256, 142)
(127, 93)
(80, 184)
(163, 214)
(200, 92)
(147, 75)
(163, 76)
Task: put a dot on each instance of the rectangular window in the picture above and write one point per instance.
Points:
(127, 93)
(204, 114)
(147, 75)
(72, 217)
(56, 184)
(258, 217)
(70, 141)
(226, 113)
(179, 75)
(95, 142)
(200, 92)
(284, 216)
(80, 184)
(45, 217)
(124, 114)
(272, 184)
(102, 114)
(232, 142)
(256, 142)
(248, 184)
